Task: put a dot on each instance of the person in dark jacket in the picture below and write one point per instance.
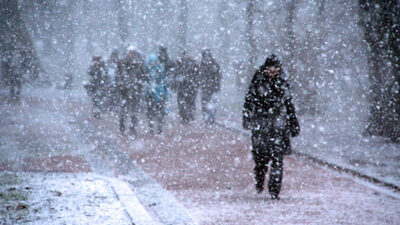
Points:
(131, 81)
(210, 83)
(112, 65)
(169, 67)
(187, 84)
(98, 84)
(13, 67)
(270, 115)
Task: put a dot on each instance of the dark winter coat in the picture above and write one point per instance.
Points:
(210, 76)
(165, 60)
(169, 67)
(131, 78)
(12, 68)
(187, 75)
(6, 71)
(98, 79)
(268, 109)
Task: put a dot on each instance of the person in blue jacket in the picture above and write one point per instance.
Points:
(157, 94)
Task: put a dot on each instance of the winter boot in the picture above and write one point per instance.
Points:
(132, 131)
(121, 127)
(151, 128)
(275, 196)
(259, 188)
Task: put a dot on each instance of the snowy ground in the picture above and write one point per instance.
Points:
(209, 170)
(215, 183)
(51, 132)
(59, 198)
(335, 140)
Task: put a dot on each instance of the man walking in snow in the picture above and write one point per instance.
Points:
(210, 83)
(130, 81)
(112, 66)
(169, 66)
(13, 66)
(98, 85)
(187, 84)
(270, 115)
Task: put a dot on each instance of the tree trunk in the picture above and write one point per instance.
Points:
(380, 21)
(252, 48)
(225, 43)
(14, 38)
(183, 25)
(122, 22)
(290, 44)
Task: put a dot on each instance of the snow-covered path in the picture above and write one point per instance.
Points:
(209, 170)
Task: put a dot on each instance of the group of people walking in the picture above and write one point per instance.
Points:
(131, 82)
(268, 110)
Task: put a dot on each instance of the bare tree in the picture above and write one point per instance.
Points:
(308, 52)
(381, 21)
(252, 48)
(223, 14)
(304, 85)
(182, 24)
(291, 41)
(67, 35)
(122, 22)
(15, 39)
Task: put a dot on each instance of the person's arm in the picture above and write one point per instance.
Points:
(218, 77)
(248, 109)
(292, 123)
(119, 76)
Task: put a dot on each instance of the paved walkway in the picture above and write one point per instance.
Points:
(210, 171)
(58, 169)
(68, 198)
(68, 167)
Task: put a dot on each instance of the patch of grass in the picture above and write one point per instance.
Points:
(13, 198)
(7, 179)
(7, 191)
(17, 195)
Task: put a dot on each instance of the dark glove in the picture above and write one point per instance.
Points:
(247, 123)
(293, 126)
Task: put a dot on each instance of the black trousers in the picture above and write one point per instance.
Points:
(267, 148)
(15, 88)
(155, 113)
(129, 106)
(187, 105)
(208, 114)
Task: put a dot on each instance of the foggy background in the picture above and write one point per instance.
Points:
(331, 50)
(341, 58)
(328, 63)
